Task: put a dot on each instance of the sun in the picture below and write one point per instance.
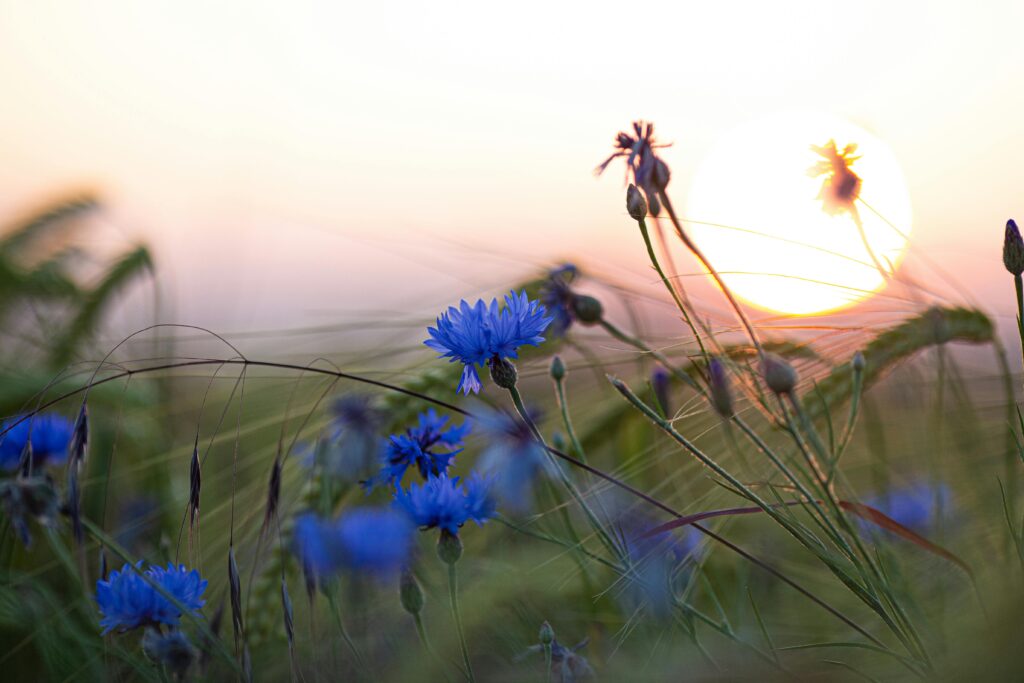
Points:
(755, 211)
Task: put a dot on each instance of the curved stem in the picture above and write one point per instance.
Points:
(453, 593)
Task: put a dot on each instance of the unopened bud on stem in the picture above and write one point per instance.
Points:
(778, 374)
(721, 391)
(587, 309)
(503, 372)
(1013, 249)
(636, 205)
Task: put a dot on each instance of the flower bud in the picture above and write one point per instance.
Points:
(858, 363)
(778, 374)
(557, 369)
(661, 174)
(449, 547)
(547, 634)
(558, 441)
(636, 205)
(503, 372)
(660, 382)
(721, 390)
(587, 309)
(171, 650)
(411, 593)
(1013, 249)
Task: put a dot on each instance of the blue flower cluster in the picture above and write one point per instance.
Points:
(446, 504)
(48, 433)
(127, 601)
(372, 540)
(420, 446)
(478, 334)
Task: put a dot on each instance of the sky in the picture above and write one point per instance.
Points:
(299, 163)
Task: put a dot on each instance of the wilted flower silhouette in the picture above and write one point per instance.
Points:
(478, 334)
(127, 601)
(421, 446)
(841, 186)
(48, 433)
(649, 172)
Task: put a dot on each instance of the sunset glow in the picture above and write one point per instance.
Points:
(756, 214)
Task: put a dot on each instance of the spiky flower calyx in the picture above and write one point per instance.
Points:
(636, 205)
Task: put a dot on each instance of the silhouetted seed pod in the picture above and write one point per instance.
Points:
(78, 449)
(557, 369)
(195, 484)
(289, 615)
(273, 492)
(410, 593)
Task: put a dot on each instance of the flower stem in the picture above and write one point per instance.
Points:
(421, 630)
(453, 593)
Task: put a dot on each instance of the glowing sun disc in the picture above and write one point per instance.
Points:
(774, 245)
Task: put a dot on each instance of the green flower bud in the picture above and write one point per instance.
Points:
(587, 309)
(547, 634)
(778, 374)
(449, 547)
(636, 205)
(557, 369)
(411, 593)
(503, 372)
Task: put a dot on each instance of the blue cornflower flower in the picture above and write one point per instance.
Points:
(478, 334)
(480, 503)
(49, 434)
(512, 456)
(916, 506)
(373, 540)
(445, 503)
(558, 298)
(419, 446)
(127, 601)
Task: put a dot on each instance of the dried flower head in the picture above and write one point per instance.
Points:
(840, 187)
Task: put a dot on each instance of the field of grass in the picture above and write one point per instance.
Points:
(715, 503)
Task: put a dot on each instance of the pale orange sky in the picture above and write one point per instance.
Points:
(291, 161)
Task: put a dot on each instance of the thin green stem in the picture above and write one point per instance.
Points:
(453, 594)
(336, 611)
(422, 632)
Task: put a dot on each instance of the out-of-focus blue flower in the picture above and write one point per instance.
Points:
(171, 650)
(557, 298)
(376, 540)
(127, 601)
(480, 502)
(353, 450)
(917, 506)
(655, 562)
(511, 455)
(661, 384)
(49, 434)
(373, 540)
(316, 544)
(638, 148)
(445, 503)
(478, 334)
(420, 446)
